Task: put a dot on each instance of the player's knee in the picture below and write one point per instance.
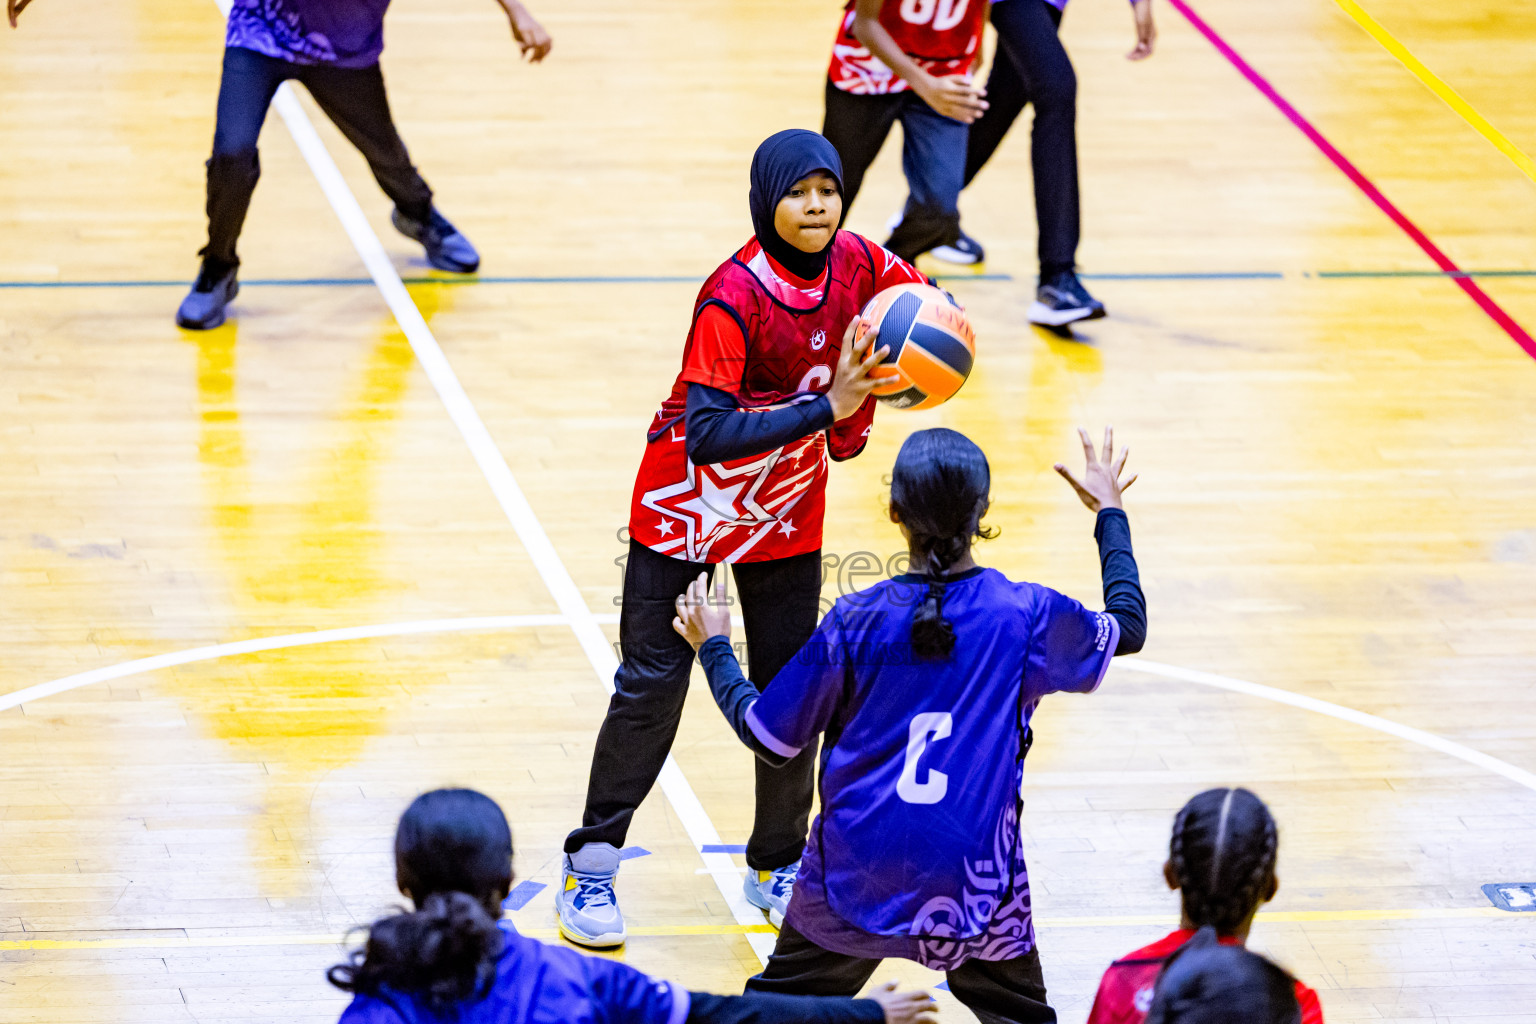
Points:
(1057, 92)
(234, 162)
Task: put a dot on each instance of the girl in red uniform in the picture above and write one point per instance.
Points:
(1222, 861)
(735, 470)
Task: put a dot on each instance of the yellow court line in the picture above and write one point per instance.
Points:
(665, 931)
(1437, 85)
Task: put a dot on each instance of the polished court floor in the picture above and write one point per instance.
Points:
(1337, 504)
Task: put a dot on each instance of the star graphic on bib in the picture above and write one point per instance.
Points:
(787, 527)
(665, 528)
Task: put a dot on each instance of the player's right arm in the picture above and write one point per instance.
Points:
(953, 97)
(781, 721)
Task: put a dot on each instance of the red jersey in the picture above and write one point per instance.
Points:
(770, 340)
(1125, 994)
(941, 36)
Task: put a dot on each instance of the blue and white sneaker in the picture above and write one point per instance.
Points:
(771, 890)
(967, 252)
(588, 909)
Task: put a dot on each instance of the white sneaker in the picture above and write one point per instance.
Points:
(587, 905)
(771, 890)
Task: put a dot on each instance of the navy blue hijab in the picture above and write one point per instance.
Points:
(783, 159)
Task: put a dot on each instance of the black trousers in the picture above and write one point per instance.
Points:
(779, 600)
(1032, 67)
(996, 991)
(932, 158)
(353, 98)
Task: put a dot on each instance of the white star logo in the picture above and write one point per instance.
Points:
(818, 340)
(665, 529)
(787, 528)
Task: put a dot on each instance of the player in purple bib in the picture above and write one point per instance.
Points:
(332, 47)
(924, 686)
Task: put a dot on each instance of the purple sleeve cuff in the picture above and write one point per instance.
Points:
(680, 1004)
(1109, 650)
(768, 739)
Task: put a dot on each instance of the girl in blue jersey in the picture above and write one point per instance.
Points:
(451, 960)
(924, 686)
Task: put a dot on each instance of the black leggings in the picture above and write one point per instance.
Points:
(353, 98)
(996, 991)
(1032, 67)
(779, 600)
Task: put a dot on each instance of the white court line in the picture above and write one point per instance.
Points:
(499, 476)
(1519, 776)
(272, 643)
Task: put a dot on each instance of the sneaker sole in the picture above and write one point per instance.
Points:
(453, 267)
(607, 940)
(757, 899)
(931, 265)
(1040, 313)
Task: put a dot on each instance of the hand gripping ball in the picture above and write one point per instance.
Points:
(931, 342)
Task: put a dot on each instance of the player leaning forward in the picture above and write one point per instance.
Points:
(772, 384)
(925, 685)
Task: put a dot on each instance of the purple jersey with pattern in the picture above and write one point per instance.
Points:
(342, 33)
(537, 983)
(917, 852)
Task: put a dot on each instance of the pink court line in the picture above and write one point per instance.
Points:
(1364, 184)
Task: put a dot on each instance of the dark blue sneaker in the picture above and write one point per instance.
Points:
(1061, 299)
(447, 249)
(216, 287)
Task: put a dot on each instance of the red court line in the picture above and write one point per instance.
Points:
(1353, 173)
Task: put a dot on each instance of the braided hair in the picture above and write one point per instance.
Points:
(1223, 856)
(453, 858)
(939, 492)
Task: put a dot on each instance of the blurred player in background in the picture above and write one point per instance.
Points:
(772, 384)
(924, 685)
(1031, 66)
(332, 47)
(908, 61)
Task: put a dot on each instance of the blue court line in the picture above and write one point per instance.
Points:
(521, 893)
(1219, 275)
(722, 848)
(631, 852)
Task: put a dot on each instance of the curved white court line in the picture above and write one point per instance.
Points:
(1519, 776)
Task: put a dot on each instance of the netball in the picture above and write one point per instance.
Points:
(931, 342)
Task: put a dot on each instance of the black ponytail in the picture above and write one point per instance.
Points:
(453, 858)
(444, 953)
(1223, 853)
(939, 492)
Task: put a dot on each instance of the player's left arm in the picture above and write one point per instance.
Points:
(1146, 32)
(1100, 488)
(531, 37)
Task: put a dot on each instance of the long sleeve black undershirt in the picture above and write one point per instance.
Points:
(718, 429)
(777, 1008)
(1122, 583)
(1123, 599)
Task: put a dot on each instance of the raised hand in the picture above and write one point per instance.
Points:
(1100, 486)
(916, 1007)
(701, 615)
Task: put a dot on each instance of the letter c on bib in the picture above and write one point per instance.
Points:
(815, 377)
(934, 724)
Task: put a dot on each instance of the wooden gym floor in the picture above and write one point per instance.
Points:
(1334, 436)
